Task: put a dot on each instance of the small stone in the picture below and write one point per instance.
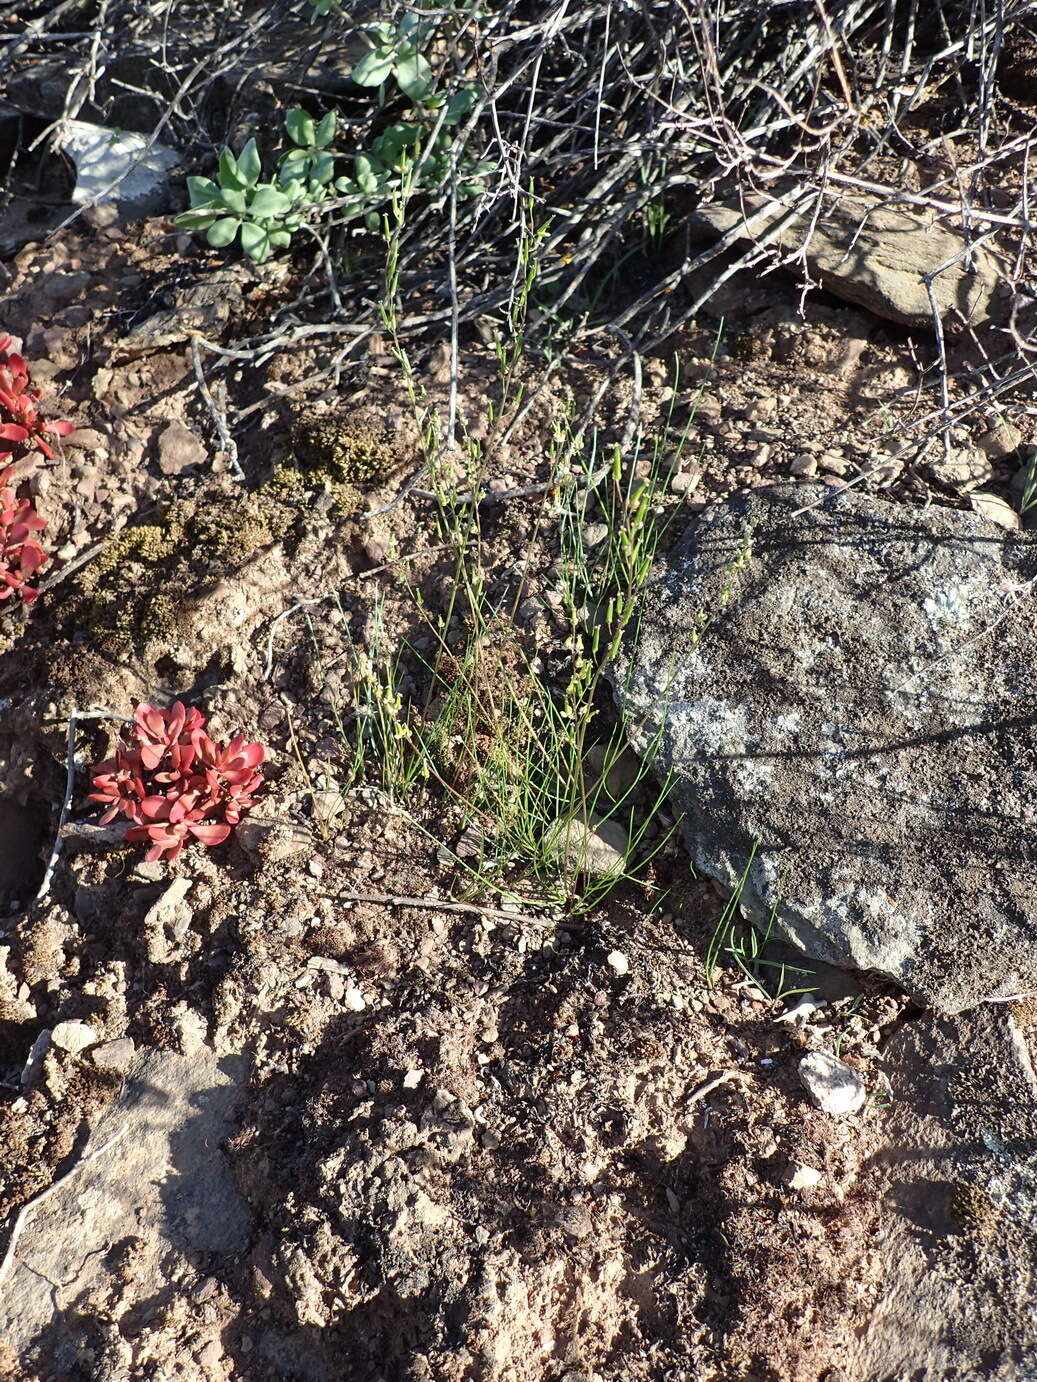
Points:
(619, 963)
(966, 468)
(114, 1055)
(685, 482)
(595, 533)
(804, 466)
(799, 1176)
(705, 407)
(1002, 441)
(833, 462)
(34, 1062)
(354, 1001)
(178, 449)
(148, 871)
(805, 1008)
(327, 805)
(326, 965)
(190, 1027)
(412, 1078)
(73, 1036)
(490, 1140)
(593, 845)
(276, 840)
(995, 509)
(86, 439)
(834, 1086)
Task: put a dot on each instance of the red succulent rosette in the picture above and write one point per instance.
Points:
(20, 418)
(20, 556)
(176, 784)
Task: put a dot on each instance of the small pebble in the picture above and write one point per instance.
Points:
(799, 1176)
(113, 1055)
(354, 1001)
(73, 1036)
(834, 1086)
(619, 963)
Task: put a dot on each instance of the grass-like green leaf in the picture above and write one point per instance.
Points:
(203, 191)
(233, 198)
(326, 130)
(413, 75)
(301, 128)
(229, 174)
(268, 201)
(197, 219)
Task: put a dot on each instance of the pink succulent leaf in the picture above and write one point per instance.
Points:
(11, 431)
(210, 834)
(151, 755)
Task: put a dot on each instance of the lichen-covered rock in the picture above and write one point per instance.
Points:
(844, 693)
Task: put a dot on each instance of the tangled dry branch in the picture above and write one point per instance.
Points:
(599, 116)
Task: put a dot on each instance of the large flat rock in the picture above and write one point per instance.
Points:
(844, 695)
(152, 1175)
(900, 266)
(957, 1249)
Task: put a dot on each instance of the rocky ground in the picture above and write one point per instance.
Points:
(308, 1105)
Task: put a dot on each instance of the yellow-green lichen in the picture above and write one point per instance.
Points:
(295, 487)
(348, 451)
(136, 589)
(973, 1209)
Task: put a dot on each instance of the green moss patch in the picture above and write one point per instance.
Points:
(137, 589)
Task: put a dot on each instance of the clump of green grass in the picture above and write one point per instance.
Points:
(464, 726)
(736, 941)
(506, 749)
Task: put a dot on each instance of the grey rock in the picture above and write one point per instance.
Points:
(34, 1061)
(834, 1086)
(873, 256)
(163, 1182)
(995, 510)
(178, 449)
(87, 439)
(117, 166)
(957, 1180)
(73, 1037)
(1001, 442)
(967, 467)
(593, 845)
(804, 466)
(273, 840)
(845, 732)
(114, 1055)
